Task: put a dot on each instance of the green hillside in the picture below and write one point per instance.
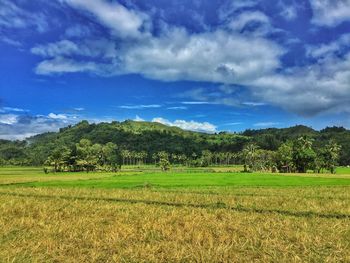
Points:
(154, 137)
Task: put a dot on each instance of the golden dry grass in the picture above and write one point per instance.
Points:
(175, 225)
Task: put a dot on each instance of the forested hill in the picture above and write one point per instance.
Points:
(154, 137)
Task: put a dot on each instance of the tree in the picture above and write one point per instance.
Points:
(284, 157)
(206, 158)
(125, 155)
(59, 158)
(88, 155)
(164, 160)
(303, 154)
(332, 153)
(265, 160)
(111, 157)
(155, 158)
(320, 160)
(250, 157)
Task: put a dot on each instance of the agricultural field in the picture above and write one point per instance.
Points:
(213, 214)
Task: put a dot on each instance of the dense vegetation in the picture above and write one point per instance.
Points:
(88, 146)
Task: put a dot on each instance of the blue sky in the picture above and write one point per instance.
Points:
(199, 65)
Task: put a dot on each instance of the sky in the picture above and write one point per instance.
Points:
(201, 65)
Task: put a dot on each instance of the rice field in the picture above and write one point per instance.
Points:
(179, 216)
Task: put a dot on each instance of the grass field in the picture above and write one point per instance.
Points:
(185, 215)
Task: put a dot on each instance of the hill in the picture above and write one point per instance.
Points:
(153, 137)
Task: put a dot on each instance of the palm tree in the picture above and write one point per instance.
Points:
(332, 150)
(250, 155)
(125, 155)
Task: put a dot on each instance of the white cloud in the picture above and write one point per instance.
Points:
(60, 65)
(79, 109)
(253, 104)
(168, 57)
(19, 127)
(330, 12)
(10, 41)
(195, 102)
(13, 109)
(203, 96)
(8, 118)
(322, 87)
(101, 48)
(137, 107)
(124, 22)
(13, 16)
(329, 49)
(227, 10)
(57, 116)
(242, 20)
(177, 108)
(233, 123)
(289, 12)
(63, 47)
(15, 137)
(178, 55)
(138, 118)
(188, 125)
(218, 56)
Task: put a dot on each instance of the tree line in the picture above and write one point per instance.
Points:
(297, 155)
(140, 142)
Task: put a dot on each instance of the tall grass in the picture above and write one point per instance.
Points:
(170, 224)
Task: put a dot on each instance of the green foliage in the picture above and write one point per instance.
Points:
(303, 154)
(139, 143)
(250, 156)
(284, 157)
(59, 158)
(331, 155)
(164, 160)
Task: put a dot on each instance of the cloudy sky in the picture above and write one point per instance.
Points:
(201, 65)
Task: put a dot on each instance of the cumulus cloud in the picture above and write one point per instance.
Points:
(19, 127)
(180, 56)
(174, 55)
(8, 118)
(322, 87)
(124, 22)
(330, 12)
(220, 55)
(188, 125)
